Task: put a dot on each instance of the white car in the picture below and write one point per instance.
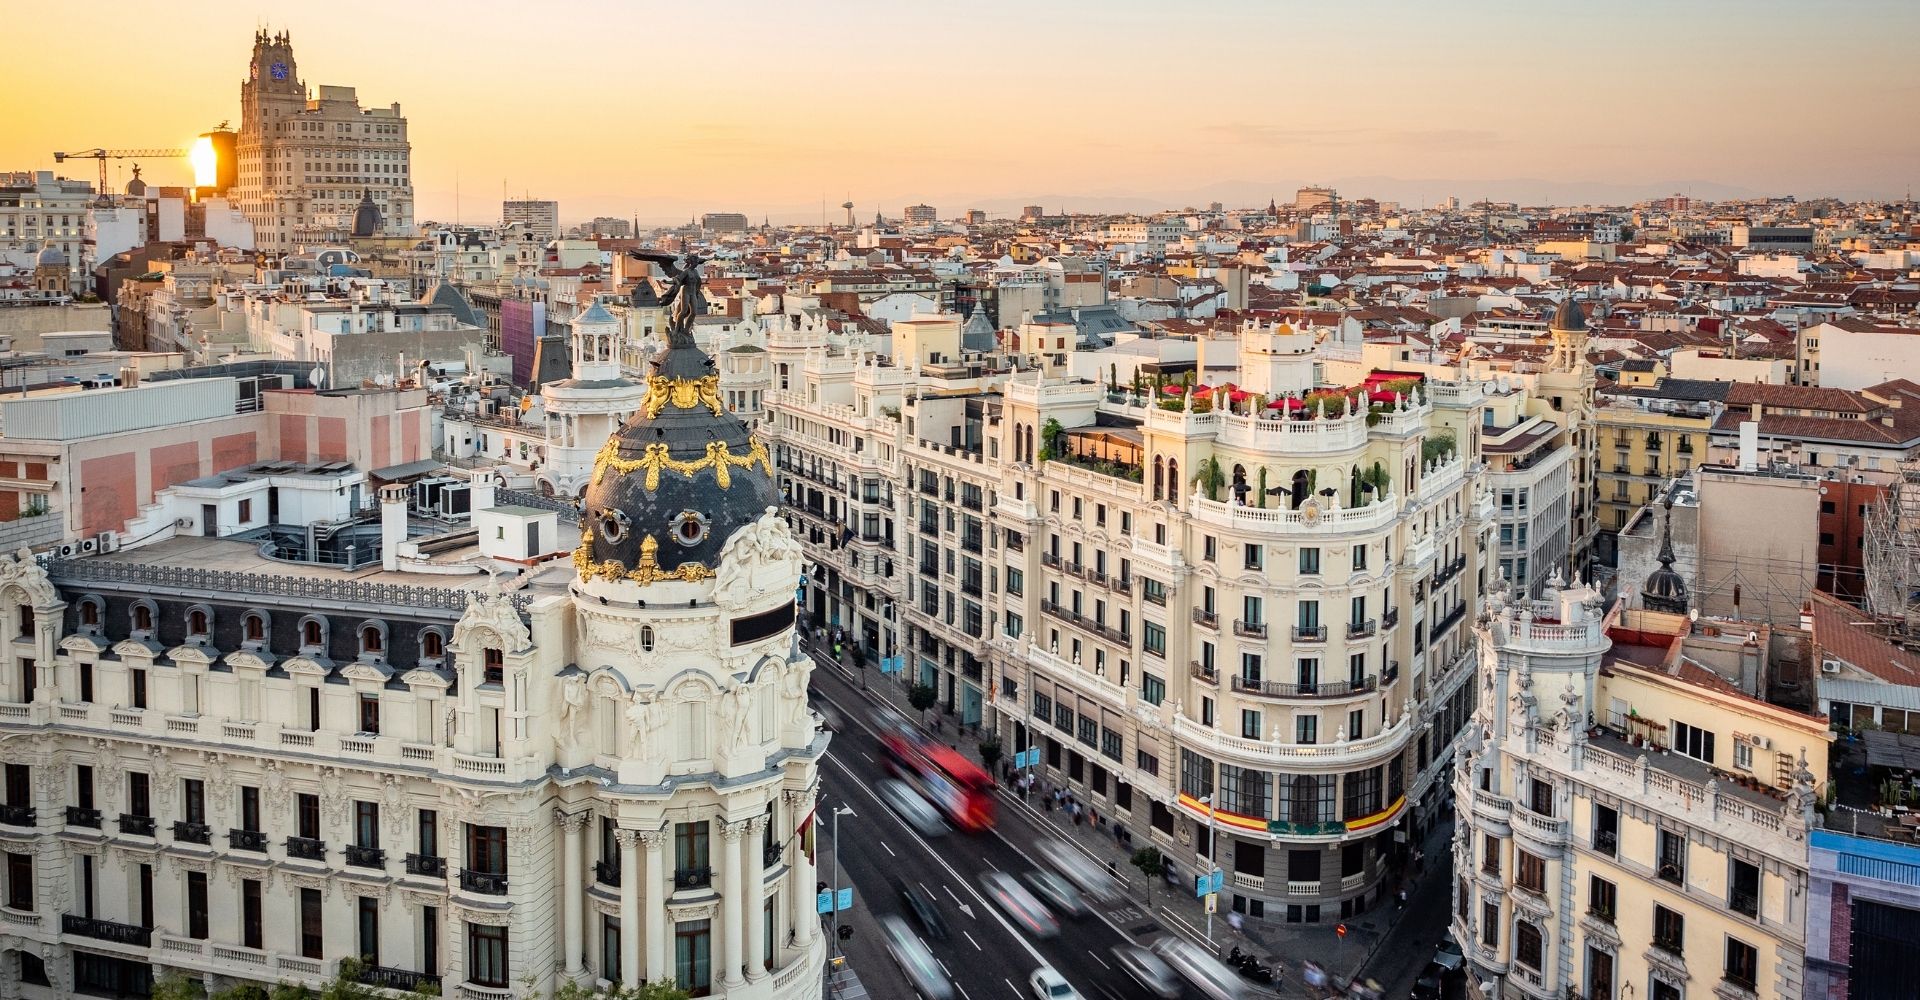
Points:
(1008, 894)
(914, 958)
(1050, 985)
(915, 811)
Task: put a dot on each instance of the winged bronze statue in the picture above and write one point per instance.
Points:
(684, 298)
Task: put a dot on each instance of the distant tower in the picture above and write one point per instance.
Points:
(848, 205)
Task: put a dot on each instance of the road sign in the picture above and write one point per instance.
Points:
(1208, 883)
(1213, 902)
(1027, 758)
(825, 903)
(1341, 930)
(846, 899)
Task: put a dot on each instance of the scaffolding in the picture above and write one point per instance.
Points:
(1892, 557)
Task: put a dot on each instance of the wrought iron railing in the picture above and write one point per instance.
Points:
(429, 865)
(366, 857)
(77, 816)
(146, 576)
(488, 883)
(692, 878)
(307, 848)
(106, 930)
(138, 826)
(192, 833)
(607, 873)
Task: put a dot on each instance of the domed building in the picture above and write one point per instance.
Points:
(51, 273)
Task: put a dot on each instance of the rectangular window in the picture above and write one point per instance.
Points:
(487, 849)
(1490, 854)
(312, 934)
(1744, 890)
(1112, 744)
(1153, 638)
(250, 930)
(1693, 742)
(138, 794)
(250, 809)
(1606, 829)
(1743, 964)
(1529, 872)
(1672, 865)
(1306, 729)
(1360, 556)
(20, 881)
(193, 805)
(487, 955)
(610, 948)
(370, 714)
(197, 905)
(1255, 556)
(369, 927)
(366, 824)
(1490, 924)
(1526, 944)
(139, 692)
(1603, 898)
(1669, 930)
(307, 813)
(1309, 561)
(1153, 690)
(1249, 724)
(1196, 774)
(693, 956)
(1742, 755)
(429, 827)
(690, 845)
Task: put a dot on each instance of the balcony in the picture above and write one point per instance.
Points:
(1155, 595)
(366, 857)
(1671, 945)
(1440, 627)
(1251, 630)
(486, 883)
(1447, 572)
(138, 826)
(1606, 842)
(247, 840)
(1392, 673)
(398, 979)
(771, 854)
(692, 878)
(1121, 585)
(192, 833)
(1745, 903)
(1201, 672)
(607, 873)
(106, 930)
(1317, 689)
(17, 815)
(1015, 543)
(1050, 559)
(77, 816)
(1210, 619)
(1309, 633)
(307, 848)
(1360, 630)
(427, 865)
(1390, 618)
(1671, 872)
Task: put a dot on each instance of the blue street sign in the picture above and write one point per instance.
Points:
(825, 903)
(846, 899)
(1027, 758)
(1204, 884)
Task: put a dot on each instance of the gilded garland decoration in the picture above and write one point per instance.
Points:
(649, 570)
(657, 457)
(683, 393)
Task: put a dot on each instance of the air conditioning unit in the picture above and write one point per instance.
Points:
(67, 550)
(109, 541)
(89, 546)
(1762, 742)
(1829, 666)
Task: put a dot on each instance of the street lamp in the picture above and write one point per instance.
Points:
(834, 889)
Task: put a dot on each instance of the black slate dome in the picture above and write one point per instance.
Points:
(674, 483)
(1569, 316)
(366, 215)
(1666, 590)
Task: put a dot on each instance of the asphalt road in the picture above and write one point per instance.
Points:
(984, 953)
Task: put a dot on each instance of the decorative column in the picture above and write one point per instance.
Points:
(628, 841)
(801, 893)
(732, 894)
(658, 933)
(753, 862)
(572, 887)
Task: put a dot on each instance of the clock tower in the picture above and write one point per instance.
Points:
(272, 89)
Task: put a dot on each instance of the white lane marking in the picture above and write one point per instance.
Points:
(963, 991)
(949, 889)
(971, 941)
(889, 850)
(1016, 990)
(943, 968)
(868, 756)
(1103, 965)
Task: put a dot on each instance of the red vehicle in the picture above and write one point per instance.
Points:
(958, 787)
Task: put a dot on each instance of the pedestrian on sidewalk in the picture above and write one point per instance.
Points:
(1403, 898)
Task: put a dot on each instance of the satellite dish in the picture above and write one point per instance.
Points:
(317, 377)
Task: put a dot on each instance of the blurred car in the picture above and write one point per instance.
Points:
(921, 906)
(910, 807)
(921, 969)
(1212, 977)
(1057, 893)
(1076, 867)
(830, 718)
(1050, 985)
(1008, 894)
(1147, 971)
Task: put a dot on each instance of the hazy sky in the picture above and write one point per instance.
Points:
(668, 109)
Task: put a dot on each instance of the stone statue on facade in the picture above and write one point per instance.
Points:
(645, 716)
(573, 707)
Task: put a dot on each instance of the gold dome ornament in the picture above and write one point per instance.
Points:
(656, 457)
(682, 393)
(647, 572)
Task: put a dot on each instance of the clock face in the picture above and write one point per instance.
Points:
(279, 70)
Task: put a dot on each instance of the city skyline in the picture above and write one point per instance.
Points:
(1254, 113)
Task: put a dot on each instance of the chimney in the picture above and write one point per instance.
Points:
(1749, 445)
(480, 493)
(393, 524)
(129, 376)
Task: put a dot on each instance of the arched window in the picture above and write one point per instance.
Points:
(255, 628)
(1174, 488)
(197, 622)
(311, 633)
(646, 638)
(432, 646)
(370, 639)
(1159, 476)
(90, 613)
(142, 618)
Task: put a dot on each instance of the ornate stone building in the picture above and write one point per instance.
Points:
(221, 765)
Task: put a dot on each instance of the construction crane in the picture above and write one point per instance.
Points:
(103, 155)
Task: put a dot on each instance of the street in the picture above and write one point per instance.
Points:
(987, 957)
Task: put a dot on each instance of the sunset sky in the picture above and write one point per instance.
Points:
(665, 110)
